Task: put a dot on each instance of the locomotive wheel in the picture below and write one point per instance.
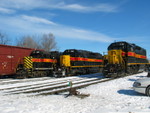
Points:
(119, 74)
(130, 70)
(21, 74)
(112, 70)
(64, 73)
(34, 75)
(56, 75)
(148, 91)
(133, 69)
(43, 74)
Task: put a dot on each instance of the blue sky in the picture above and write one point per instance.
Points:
(79, 24)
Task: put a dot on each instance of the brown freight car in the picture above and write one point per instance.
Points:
(11, 57)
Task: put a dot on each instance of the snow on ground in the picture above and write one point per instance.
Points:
(108, 97)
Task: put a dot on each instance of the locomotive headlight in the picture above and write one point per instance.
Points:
(136, 84)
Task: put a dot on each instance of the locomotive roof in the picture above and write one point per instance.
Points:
(131, 44)
(39, 52)
(80, 51)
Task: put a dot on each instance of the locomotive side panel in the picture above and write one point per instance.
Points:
(81, 61)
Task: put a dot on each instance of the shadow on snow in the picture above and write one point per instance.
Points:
(129, 92)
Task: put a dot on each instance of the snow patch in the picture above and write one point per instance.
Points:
(107, 97)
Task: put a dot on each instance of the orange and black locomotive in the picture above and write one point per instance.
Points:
(81, 62)
(124, 58)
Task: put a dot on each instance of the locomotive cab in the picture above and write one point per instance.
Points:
(116, 59)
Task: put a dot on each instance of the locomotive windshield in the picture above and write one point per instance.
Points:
(69, 52)
(117, 46)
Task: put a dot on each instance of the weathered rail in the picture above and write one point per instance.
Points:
(75, 86)
(55, 86)
(13, 81)
(47, 85)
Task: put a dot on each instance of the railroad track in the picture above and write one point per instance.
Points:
(50, 86)
(14, 81)
(76, 86)
(41, 82)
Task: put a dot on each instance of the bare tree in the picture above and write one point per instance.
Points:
(45, 42)
(3, 39)
(28, 41)
(48, 42)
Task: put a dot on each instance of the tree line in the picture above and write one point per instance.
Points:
(46, 41)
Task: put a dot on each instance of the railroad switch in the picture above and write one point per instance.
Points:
(76, 93)
(73, 91)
